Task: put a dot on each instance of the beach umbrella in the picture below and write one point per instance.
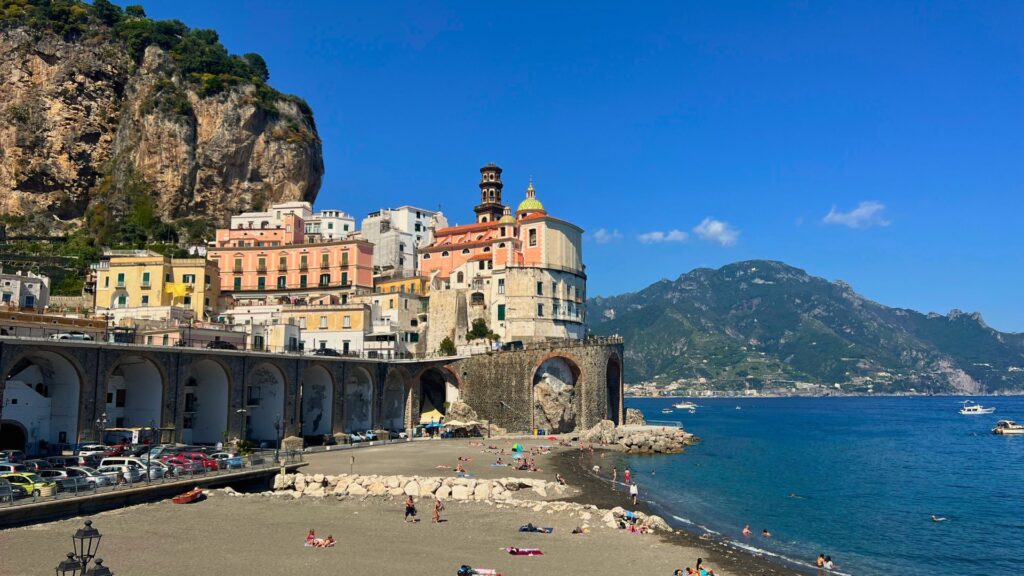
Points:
(517, 447)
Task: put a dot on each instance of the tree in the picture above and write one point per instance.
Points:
(447, 347)
(135, 11)
(258, 65)
(105, 12)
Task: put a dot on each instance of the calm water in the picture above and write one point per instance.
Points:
(869, 473)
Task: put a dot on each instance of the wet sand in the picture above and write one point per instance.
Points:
(256, 534)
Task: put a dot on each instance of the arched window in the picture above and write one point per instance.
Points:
(458, 278)
(465, 250)
(264, 225)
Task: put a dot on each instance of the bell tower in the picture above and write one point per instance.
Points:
(490, 208)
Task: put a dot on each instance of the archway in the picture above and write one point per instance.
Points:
(393, 414)
(358, 400)
(264, 404)
(317, 401)
(436, 394)
(42, 398)
(135, 392)
(13, 435)
(554, 395)
(206, 404)
(614, 384)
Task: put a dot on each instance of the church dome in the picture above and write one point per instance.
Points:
(507, 217)
(530, 204)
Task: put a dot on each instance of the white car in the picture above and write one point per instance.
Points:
(92, 476)
(115, 473)
(356, 437)
(71, 336)
(93, 450)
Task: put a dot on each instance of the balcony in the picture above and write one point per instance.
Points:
(261, 268)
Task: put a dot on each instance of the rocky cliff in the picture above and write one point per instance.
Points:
(86, 113)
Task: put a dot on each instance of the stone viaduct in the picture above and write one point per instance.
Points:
(61, 391)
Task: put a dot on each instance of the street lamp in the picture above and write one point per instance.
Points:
(278, 427)
(242, 412)
(101, 423)
(86, 543)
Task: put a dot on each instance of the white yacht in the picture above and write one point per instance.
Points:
(685, 406)
(973, 408)
(1008, 427)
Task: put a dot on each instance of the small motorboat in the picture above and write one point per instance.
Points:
(971, 408)
(685, 406)
(188, 497)
(1008, 427)
(666, 410)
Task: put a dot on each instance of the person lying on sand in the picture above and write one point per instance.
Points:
(328, 542)
(465, 459)
(443, 467)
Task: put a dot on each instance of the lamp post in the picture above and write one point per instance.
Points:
(101, 424)
(242, 412)
(278, 429)
(86, 543)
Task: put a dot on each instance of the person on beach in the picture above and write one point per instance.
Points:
(615, 475)
(633, 492)
(310, 537)
(820, 562)
(626, 476)
(438, 508)
(325, 543)
(410, 509)
(559, 479)
(829, 565)
(766, 533)
(746, 530)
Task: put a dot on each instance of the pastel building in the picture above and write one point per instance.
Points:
(274, 255)
(140, 284)
(523, 273)
(24, 289)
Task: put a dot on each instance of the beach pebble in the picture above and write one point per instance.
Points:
(412, 489)
(356, 490)
(460, 492)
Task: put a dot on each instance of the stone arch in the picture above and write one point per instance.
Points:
(206, 410)
(317, 401)
(134, 392)
(394, 403)
(358, 400)
(555, 399)
(436, 386)
(264, 403)
(613, 385)
(42, 395)
(13, 435)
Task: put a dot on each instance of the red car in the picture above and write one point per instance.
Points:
(183, 465)
(198, 457)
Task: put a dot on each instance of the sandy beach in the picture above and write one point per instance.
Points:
(256, 534)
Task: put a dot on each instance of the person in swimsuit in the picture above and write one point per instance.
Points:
(410, 509)
(746, 530)
(626, 476)
(310, 537)
(438, 508)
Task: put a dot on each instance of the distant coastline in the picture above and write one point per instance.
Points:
(725, 394)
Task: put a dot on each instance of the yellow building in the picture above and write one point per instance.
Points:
(144, 284)
(415, 285)
(341, 327)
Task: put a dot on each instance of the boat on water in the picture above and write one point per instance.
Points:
(971, 408)
(685, 406)
(1008, 427)
(666, 410)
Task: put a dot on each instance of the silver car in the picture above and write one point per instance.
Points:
(116, 474)
(92, 476)
(67, 480)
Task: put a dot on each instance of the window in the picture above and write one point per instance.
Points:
(282, 263)
(346, 321)
(330, 225)
(501, 312)
(426, 256)
(303, 261)
(465, 250)
(344, 278)
(238, 264)
(119, 398)
(261, 264)
(533, 237)
(412, 288)
(323, 322)
(444, 254)
(252, 396)
(325, 260)
(325, 279)
(418, 227)
(122, 301)
(106, 281)
(302, 322)
(302, 281)
(540, 288)
(120, 279)
(459, 278)
(145, 279)
(238, 283)
(554, 309)
(344, 258)
(501, 285)
(187, 301)
(554, 289)
(188, 278)
(145, 300)
(206, 279)
(7, 296)
(540, 310)
(169, 277)
(282, 282)
(391, 303)
(261, 283)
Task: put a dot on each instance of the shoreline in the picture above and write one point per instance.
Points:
(575, 467)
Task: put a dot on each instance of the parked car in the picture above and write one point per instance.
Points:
(162, 450)
(221, 345)
(32, 483)
(326, 352)
(137, 463)
(69, 480)
(59, 461)
(396, 434)
(356, 437)
(227, 460)
(89, 461)
(12, 456)
(92, 476)
(116, 473)
(207, 462)
(73, 335)
(185, 465)
(10, 467)
(370, 435)
(10, 491)
(36, 465)
(93, 450)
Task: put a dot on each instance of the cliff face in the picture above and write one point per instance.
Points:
(80, 118)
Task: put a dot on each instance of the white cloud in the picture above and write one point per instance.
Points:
(717, 231)
(604, 236)
(657, 236)
(865, 215)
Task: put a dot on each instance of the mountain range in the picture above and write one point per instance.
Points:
(761, 323)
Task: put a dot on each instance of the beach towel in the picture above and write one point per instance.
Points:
(532, 528)
(465, 570)
(524, 551)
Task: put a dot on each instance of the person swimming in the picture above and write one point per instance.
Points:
(938, 518)
(746, 530)
(766, 533)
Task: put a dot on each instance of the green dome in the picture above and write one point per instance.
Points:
(530, 205)
(508, 219)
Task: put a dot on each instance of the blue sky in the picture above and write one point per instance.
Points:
(877, 143)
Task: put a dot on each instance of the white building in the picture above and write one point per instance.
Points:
(329, 226)
(397, 234)
(25, 289)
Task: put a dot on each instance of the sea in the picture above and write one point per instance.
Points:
(856, 478)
